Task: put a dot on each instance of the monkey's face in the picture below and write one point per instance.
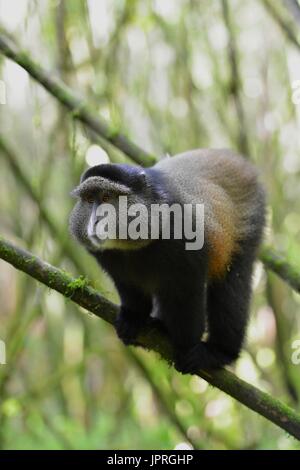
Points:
(106, 196)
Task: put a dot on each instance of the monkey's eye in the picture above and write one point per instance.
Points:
(105, 197)
(90, 198)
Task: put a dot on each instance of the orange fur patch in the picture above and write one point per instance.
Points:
(222, 239)
(222, 248)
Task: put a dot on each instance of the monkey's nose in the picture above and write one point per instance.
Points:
(94, 219)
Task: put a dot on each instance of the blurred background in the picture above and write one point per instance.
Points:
(172, 76)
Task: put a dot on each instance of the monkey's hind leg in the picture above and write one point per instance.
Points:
(228, 302)
(227, 315)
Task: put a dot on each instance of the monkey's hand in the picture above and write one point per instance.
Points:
(128, 325)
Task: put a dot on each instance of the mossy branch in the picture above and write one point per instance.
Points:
(74, 104)
(85, 296)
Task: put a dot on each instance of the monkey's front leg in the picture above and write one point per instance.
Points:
(134, 313)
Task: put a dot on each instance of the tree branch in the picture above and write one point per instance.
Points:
(294, 8)
(85, 296)
(74, 104)
(235, 81)
(280, 266)
(284, 25)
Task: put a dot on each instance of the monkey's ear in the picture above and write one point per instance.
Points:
(75, 192)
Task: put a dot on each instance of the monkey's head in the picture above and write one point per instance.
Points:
(106, 200)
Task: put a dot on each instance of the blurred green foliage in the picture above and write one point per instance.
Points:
(162, 72)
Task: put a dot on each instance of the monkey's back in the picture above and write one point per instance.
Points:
(228, 186)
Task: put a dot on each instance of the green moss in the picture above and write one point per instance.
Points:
(76, 112)
(113, 132)
(5, 250)
(76, 284)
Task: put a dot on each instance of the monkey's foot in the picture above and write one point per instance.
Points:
(128, 326)
(201, 356)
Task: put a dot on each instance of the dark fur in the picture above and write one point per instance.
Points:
(188, 301)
